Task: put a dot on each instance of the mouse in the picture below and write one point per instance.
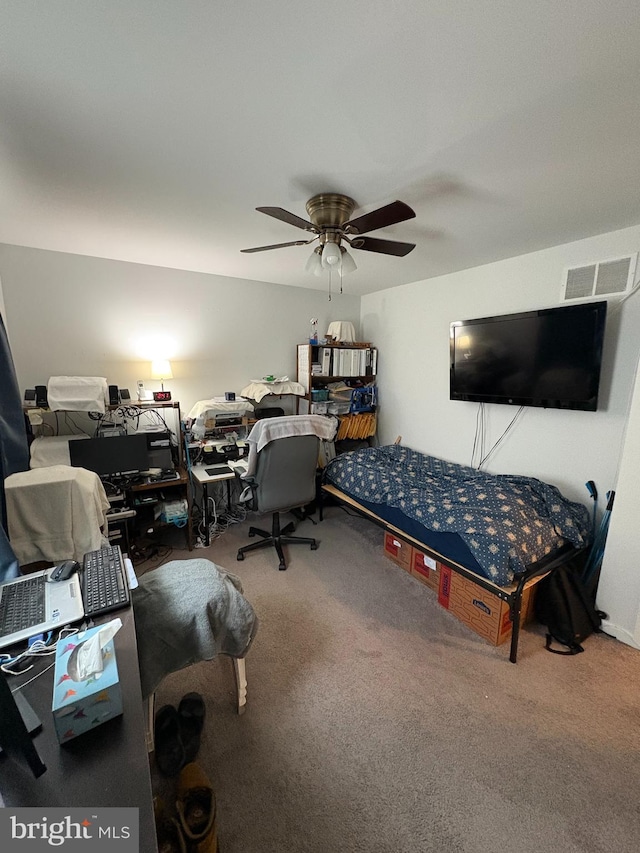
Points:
(64, 571)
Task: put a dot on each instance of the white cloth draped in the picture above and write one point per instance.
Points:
(342, 330)
(257, 390)
(270, 429)
(55, 513)
(77, 393)
(216, 406)
(49, 450)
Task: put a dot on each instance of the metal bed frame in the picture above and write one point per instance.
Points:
(512, 594)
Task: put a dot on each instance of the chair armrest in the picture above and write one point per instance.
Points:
(248, 494)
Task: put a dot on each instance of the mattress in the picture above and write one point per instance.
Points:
(495, 525)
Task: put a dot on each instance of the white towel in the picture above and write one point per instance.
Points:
(77, 393)
(55, 513)
(203, 407)
(342, 330)
(259, 390)
(270, 429)
(49, 450)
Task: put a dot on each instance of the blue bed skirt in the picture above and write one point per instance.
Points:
(449, 545)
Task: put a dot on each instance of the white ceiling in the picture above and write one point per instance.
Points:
(149, 130)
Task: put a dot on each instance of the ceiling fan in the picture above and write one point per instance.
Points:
(331, 226)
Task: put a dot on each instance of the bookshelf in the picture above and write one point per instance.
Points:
(355, 365)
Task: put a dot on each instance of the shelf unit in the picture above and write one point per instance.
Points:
(144, 497)
(355, 364)
(139, 512)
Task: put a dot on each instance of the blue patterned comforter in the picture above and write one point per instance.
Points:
(507, 522)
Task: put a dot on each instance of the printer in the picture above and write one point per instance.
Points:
(209, 422)
(219, 450)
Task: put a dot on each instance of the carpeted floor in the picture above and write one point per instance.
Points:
(376, 721)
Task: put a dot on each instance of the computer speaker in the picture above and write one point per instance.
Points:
(41, 396)
(114, 395)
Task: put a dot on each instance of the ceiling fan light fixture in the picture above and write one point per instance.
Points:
(314, 264)
(348, 264)
(331, 255)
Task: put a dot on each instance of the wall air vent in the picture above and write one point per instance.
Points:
(602, 280)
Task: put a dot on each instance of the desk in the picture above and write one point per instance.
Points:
(108, 766)
(200, 473)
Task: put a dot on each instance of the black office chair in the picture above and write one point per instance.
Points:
(284, 480)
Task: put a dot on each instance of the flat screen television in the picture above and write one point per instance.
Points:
(549, 358)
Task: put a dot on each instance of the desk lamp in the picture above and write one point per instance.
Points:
(161, 369)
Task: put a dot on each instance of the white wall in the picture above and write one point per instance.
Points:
(78, 315)
(70, 314)
(410, 326)
(619, 588)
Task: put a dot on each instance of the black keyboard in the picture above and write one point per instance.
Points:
(22, 605)
(218, 469)
(104, 581)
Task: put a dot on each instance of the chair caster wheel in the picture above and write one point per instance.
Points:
(251, 534)
(239, 557)
(314, 547)
(282, 567)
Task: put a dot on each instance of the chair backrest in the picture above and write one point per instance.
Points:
(286, 473)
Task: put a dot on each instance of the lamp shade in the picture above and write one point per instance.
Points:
(314, 264)
(348, 264)
(161, 369)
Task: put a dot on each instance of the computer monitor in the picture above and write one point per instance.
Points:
(111, 457)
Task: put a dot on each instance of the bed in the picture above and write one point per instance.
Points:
(502, 531)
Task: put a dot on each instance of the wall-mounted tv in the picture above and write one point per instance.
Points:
(549, 358)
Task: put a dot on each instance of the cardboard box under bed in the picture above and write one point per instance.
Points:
(495, 613)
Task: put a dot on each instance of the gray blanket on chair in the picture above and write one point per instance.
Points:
(188, 611)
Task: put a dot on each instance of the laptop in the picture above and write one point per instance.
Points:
(33, 604)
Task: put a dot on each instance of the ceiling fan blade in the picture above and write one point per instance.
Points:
(397, 211)
(285, 216)
(278, 246)
(386, 247)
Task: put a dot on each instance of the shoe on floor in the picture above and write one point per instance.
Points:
(196, 808)
(168, 834)
(169, 749)
(191, 713)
